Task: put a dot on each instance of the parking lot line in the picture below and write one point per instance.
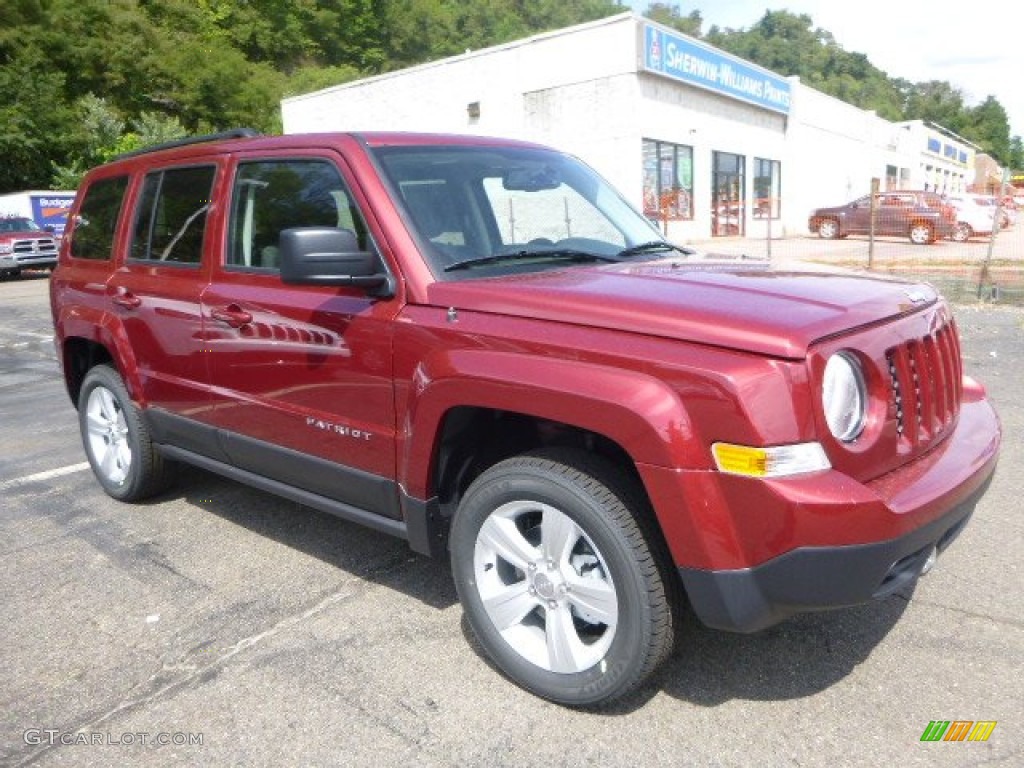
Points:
(48, 474)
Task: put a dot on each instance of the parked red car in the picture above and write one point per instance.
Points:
(478, 346)
(924, 217)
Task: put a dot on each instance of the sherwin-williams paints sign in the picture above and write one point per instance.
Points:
(688, 61)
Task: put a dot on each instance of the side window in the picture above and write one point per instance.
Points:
(92, 236)
(171, 219)
(269, 196)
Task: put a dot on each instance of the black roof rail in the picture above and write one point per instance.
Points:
(234, 133)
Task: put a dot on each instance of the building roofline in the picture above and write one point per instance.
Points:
(469, 54)
(945, 132)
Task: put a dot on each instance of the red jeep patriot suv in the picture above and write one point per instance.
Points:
(478, 346)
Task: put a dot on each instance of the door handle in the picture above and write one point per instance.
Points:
(233, 315)
(127, 300)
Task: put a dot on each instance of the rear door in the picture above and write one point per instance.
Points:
(894, 214)
(301, 376)
(156, 290)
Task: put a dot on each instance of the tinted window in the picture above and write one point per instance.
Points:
(534, 206)
(18, 224)
(274, 195)
(92, 235)
(171, 219)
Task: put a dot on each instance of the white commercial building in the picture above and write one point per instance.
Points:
(705, 142)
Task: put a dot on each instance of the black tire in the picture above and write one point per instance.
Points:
(116, 439)
(587, 611)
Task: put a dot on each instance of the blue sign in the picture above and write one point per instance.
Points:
(52, 211)
(688, 61)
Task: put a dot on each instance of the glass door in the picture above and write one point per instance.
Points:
(728, 195)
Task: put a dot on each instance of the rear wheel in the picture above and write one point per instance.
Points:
(922, 233)
(828, 229)
(559, 581)
(116, 439)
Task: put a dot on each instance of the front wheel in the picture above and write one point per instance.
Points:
(922, 233)
(560, 582)
(116, 439)
(962, 233)
(828, 229)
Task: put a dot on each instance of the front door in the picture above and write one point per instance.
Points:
(301, 376)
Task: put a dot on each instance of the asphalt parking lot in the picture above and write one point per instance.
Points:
(218, 625)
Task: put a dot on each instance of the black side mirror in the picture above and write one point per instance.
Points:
(330, 256)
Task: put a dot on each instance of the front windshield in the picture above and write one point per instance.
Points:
(480, 210)
(18, 224)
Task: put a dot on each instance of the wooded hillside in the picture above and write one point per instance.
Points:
(81, 80)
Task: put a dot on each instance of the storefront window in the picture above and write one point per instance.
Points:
(892, 177)
(767, 188)
(668, 181)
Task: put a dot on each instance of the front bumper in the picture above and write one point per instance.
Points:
(820, 578)
(756, 552)
(13, 261)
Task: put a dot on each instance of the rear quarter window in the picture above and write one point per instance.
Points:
(92, 234)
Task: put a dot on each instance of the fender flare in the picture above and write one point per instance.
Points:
(106, 330)
(640, 413)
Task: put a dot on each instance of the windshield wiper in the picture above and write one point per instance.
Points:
(560, 254)
(652, 246)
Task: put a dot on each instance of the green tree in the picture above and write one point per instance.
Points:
(988, 126)
(35, 121)
(670, 16)
(1017, 153)
(937, 102)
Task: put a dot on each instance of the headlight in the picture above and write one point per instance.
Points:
(844, 396)
(6, 247)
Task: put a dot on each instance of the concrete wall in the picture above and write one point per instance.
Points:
(436, 96)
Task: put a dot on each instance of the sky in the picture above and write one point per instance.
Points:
(977, 48)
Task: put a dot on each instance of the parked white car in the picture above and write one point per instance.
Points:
(974, 215)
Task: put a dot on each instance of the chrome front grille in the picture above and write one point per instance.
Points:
(40, 245)
(925, 385)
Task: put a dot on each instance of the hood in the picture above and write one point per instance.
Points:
(758, 309)
(26, 234)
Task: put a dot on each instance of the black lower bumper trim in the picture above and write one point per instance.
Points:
(819, 578)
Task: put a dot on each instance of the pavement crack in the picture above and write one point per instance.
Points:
(158, 687)
(969, 614)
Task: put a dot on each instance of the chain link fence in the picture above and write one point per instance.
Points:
(986, 268)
